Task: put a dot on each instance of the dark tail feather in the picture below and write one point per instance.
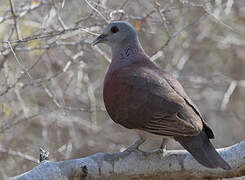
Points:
(203, 151)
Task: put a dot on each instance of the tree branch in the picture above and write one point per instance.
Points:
(175, 164)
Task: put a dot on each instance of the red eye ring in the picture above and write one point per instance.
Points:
(114, 29)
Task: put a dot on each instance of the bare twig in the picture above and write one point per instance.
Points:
(204, 6)
(50, 34)
(62, 23)
(19, 78)
(228, 94)
(123, 5)
(19, 154)
(92, 7)
(22, 12)
(102, 53)
(8, 125)
(18, 60)
(180, 31)
(163, 19)
(218, 20)
(15, 19)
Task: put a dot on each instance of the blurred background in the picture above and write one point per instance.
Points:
(51, 79)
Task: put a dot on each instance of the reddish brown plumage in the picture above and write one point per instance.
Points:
(139, 95)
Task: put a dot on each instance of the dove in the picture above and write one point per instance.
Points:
(140, 96)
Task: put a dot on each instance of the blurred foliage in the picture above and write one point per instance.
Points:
(51, 91)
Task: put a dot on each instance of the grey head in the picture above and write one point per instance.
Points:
(118, 33)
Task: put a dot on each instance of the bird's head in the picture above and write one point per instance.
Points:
(116, 32)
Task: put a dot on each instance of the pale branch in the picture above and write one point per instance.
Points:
(163, 18)
(205, 6)
(174, 164)
(50, 35)
(93, 8)
(19, 77)
(19, 154)
(228, 94)
(179, 31)
(103, 53)
(22, 11)
(18, 60)
(15, 121)
(17, 29)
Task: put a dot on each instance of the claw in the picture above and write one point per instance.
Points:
(162, 149)
(136, 145)
(163, 145)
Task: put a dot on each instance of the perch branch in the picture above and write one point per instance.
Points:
(174, 164)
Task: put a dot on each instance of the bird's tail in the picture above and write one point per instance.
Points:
(203, 151)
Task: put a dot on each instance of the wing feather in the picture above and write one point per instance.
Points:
(141, 96)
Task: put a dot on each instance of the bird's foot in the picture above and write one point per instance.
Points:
(160, 151)
(136, 145)
(163, 146)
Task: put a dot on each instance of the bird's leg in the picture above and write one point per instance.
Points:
(163, 145)
(136, 145)
(132, 148)
(161, 150)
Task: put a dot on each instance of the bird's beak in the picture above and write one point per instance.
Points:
(99, 39)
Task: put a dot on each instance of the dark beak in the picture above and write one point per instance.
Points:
(99, 39)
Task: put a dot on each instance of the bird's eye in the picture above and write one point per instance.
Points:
(114, 29)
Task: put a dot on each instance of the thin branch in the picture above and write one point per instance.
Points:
(62, 23)
(102, 53)
(19, 78)
(228, 94)
(8, 125)
(22, 12)
(19, 154)
(217, 20)
(180, 31)
(50, 34)
(123, 5)
(15, 19)
(92, 7)
(204, 6)
(18, 60)
(162, 17)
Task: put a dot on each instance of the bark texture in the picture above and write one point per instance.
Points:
(174, 164)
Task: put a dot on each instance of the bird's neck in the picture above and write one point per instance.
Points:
(125, 53)
(127, 50)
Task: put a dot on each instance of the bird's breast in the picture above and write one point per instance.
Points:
(122, 102)
(115, 94)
